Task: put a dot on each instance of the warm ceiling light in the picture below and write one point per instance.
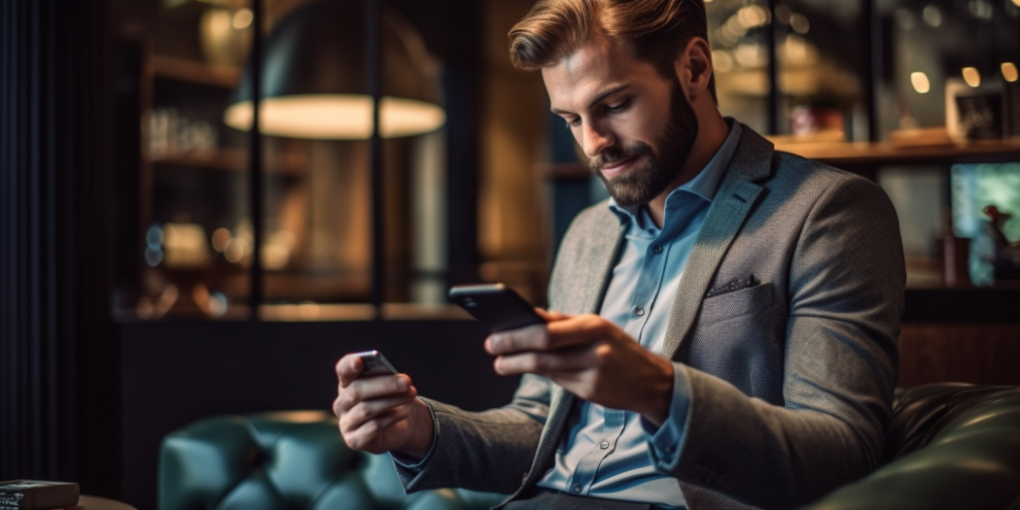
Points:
(932, 15)
(920, 82)
(971, 76)
(314, 79)
(1009, 71)
(336, 116)
(243, 19)
(722, 61)
(800, 23)
(752, 16)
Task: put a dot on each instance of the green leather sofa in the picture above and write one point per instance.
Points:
(950, 446)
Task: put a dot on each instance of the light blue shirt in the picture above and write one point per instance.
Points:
(616, 454)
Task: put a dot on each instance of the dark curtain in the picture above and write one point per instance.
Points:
(58, 355)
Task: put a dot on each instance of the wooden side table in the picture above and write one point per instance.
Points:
(97, 503)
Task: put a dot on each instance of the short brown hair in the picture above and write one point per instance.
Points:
(654, 31)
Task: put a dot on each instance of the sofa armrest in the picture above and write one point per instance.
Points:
(950, 446)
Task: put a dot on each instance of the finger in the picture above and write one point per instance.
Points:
(371, 409)
(380, 423)
(369, 388)
(576, 330)
(348, 369)
(579, 330)
(530, 338)
(365, 434)
(550, 316)
(564, 360)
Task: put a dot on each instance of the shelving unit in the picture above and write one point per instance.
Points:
(850, 154)
(234, 160)
(191, 71)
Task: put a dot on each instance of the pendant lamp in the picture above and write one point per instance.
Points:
(314, 78)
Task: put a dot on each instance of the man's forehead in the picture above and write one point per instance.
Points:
(590, 70)
(598, 55)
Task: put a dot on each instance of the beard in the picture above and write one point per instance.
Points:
(640, 185)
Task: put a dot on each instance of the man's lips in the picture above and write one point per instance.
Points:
(618, 167)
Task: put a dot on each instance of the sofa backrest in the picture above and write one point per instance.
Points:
(285, 460)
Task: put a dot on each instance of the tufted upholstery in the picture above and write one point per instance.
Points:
(285, 460)
(949, 446)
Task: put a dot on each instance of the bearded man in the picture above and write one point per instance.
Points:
(725, 325)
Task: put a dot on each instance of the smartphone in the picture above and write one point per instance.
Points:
(375, 364)
(496, 305)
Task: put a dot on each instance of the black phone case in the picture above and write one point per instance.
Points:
(497, 306)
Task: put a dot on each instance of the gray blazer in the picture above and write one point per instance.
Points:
(791, 379)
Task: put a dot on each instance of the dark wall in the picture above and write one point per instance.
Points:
(174, 374)
(57, 353)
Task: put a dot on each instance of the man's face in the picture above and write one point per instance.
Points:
(635, 126)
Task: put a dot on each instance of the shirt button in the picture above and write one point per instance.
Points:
(604, 444)
(657, 249)
(639, 311)
(576, 488)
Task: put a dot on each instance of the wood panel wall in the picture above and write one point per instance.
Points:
(979, 353)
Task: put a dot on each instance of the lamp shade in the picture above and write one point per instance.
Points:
(314, 78)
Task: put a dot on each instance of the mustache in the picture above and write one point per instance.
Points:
(615, 155)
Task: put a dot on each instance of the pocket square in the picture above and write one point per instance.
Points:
(734, 285)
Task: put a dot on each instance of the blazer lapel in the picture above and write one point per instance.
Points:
(732, 203)
(606, 241)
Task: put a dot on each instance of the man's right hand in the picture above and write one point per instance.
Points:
(381, 414)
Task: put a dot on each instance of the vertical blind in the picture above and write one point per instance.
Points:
(58, 356)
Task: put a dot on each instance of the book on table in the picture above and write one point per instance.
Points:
(37, 495)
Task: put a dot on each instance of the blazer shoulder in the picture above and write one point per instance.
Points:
(814, 177)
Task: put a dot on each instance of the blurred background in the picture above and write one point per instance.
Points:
(483, 188)
(165, 262)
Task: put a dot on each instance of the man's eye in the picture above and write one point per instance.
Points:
(618, 108)
(573, 122)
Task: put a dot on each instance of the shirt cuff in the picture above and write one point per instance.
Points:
(666, 441)
(407, 462)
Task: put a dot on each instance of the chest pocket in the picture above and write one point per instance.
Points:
(739, 338)
(737, 303)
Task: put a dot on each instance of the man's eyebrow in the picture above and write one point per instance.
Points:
(596, 100)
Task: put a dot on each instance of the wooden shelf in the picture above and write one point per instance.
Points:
(853, 154)
(193, 71)
(234, 160)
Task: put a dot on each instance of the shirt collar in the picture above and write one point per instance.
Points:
(705, 184)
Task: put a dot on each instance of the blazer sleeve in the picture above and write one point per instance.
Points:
(486, 451)
(846, 297)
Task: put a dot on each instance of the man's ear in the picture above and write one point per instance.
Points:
(694, 67)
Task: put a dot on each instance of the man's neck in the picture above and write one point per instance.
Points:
(712, 131)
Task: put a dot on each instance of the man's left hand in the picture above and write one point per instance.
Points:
(590, 357)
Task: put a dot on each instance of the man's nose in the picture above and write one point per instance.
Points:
(595, 140)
